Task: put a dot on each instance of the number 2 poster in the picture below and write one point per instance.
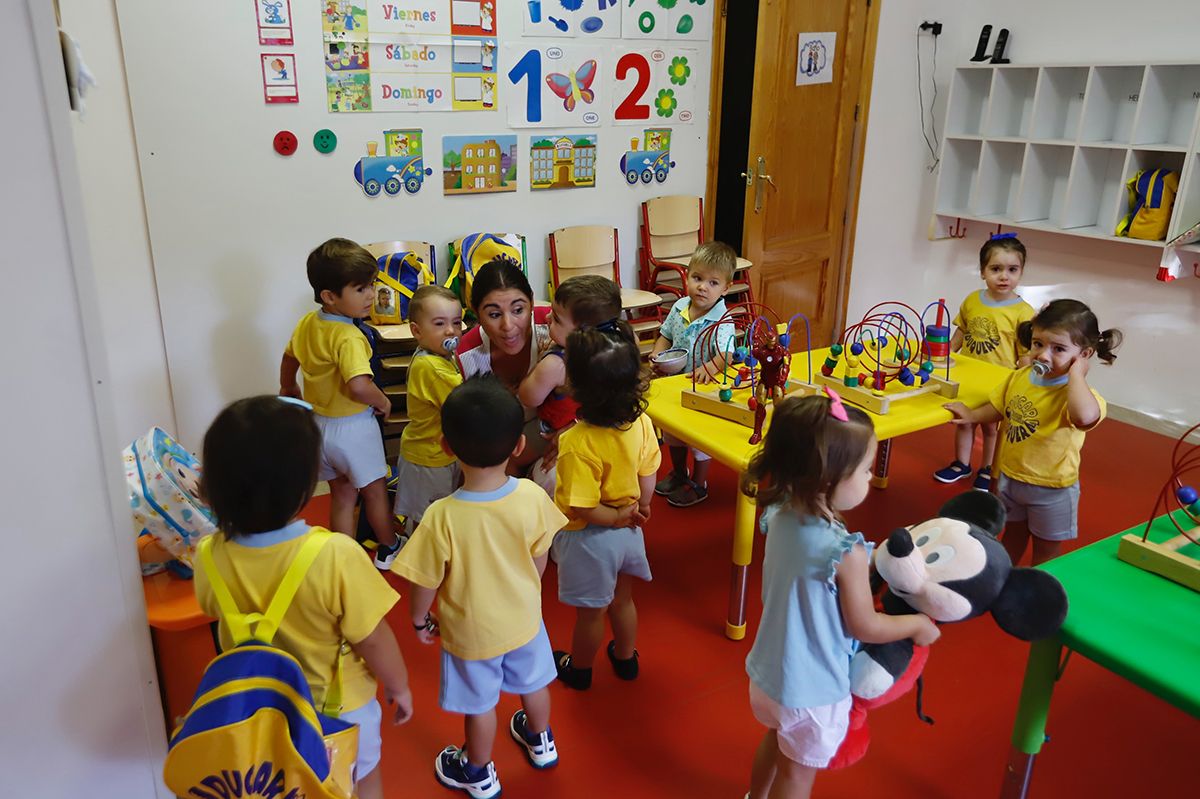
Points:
(655, 87)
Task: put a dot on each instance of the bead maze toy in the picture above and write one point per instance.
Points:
(888, 342)
(1166, 558)
(760, 366)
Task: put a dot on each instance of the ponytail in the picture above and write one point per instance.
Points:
(1107, 343)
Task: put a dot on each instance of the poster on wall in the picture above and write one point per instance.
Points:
(553, 86)
(400, 165)
(563, 162)
(814, 59)
(479, 164)
(648, 157)
(667, 19)
(410, 55)
(595, 19)
(654, 86)
(274, 22)
(279, 78)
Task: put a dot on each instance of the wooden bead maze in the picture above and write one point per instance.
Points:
(1175, 558)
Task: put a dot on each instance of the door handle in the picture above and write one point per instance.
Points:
(749, 176)
(763, 177)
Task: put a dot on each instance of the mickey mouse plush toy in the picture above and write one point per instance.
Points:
(951, 568)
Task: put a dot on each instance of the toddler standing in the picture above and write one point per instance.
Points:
(335, 359)
(815, 463)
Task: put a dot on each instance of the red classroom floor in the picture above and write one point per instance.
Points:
(684, 728)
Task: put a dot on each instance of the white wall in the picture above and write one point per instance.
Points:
(79, 693)
(116, 222)
(1155, 371)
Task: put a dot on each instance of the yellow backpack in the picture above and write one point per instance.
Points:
(400, 274)
(1151, 199)
(252, 729)
(478, 249)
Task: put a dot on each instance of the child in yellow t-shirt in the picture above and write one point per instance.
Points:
(425, 471)
(335, 358)
(606, 468)
(986, 328)
(1045, 418)
(260, 466)
(481, 552)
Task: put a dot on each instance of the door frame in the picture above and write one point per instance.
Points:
(845, 266)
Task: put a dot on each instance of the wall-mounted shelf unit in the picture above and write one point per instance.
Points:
(1050, 147)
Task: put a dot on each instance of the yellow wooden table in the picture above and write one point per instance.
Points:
(728, 442)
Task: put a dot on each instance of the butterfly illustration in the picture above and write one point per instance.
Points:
(576, 86)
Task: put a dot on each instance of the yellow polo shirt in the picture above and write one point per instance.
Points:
(990, 328)
(1041, 446)
(430, 380)
(601, 466)
(477, 549)
(343, 598)
(331, 352)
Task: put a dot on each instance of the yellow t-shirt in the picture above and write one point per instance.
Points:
(477, 548)
(331, 352)
(343, 598)
(430, 380)
(1041, 445)
(601, 466)
(990, 328)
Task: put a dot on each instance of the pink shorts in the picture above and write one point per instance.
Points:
(808, 735)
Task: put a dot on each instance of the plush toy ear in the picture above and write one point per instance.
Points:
(1032, 605)
(980, 508)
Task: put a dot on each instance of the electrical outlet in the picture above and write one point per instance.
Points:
(933, 27)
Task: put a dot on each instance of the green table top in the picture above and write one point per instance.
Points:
(1134, 623)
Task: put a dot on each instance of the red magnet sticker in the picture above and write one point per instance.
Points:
(285, 142)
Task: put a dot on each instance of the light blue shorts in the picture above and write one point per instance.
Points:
(1052, 513)
(370, 740)
(351, 447)
(590, 559)
(472, 687)
(417, 487)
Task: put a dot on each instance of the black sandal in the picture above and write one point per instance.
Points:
(579, 679)
(625, 669)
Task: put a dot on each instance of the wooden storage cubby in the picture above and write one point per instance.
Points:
(1050, 147)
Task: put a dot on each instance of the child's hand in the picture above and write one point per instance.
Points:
(960, 411)
(403, 702)
(427, 630)
(1079, 367)
(643, 514)
(383, 407)
(292, 391)
(701, 376)
(927, 632)
(626, 516)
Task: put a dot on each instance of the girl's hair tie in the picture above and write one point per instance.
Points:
(996, 236)
(836, 409)
(608, 327)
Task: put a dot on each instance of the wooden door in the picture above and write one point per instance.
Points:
(801, 153)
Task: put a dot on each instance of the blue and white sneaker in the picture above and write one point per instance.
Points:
(453, 771)
(385, 555)
(957, 470)
(983, 479)
(539, 748)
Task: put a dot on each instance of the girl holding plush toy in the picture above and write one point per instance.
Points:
(817, 601)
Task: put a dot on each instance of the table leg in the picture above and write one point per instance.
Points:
(1029, 729)
(883, 458)
(743, 551)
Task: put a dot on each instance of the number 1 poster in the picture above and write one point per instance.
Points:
(655, 87)
(554, 86)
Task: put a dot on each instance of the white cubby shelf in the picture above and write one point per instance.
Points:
(1049, 147)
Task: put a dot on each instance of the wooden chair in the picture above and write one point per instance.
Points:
(593, 250)
(672, 227)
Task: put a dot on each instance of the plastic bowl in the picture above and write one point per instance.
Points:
(670, 362)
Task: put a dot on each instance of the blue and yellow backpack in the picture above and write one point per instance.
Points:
(252, 729)
(400, 274)
(1151, 199)
(476, 250)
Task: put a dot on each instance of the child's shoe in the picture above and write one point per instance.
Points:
(690, 493)
(625, 669)
(579, 679)
(385, 555)
(670, 484)
(983, 479)
(957, 470)
(539, 747)
(453, 771)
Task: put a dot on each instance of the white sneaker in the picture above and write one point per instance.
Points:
(385, 555)
(542, 754)
(450, 768)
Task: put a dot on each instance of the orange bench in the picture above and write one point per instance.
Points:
(183, 640)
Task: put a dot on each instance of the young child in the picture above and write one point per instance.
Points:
(986, 326)
(425, 471)
(583, 301)
(709, 274)
(261, 457)
(606, 468)
(815, 463)
(335, 359)
(1046, 417)
(481, 551)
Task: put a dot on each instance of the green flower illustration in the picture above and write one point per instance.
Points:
(668, 4)
(665, 103)
(679, 70)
